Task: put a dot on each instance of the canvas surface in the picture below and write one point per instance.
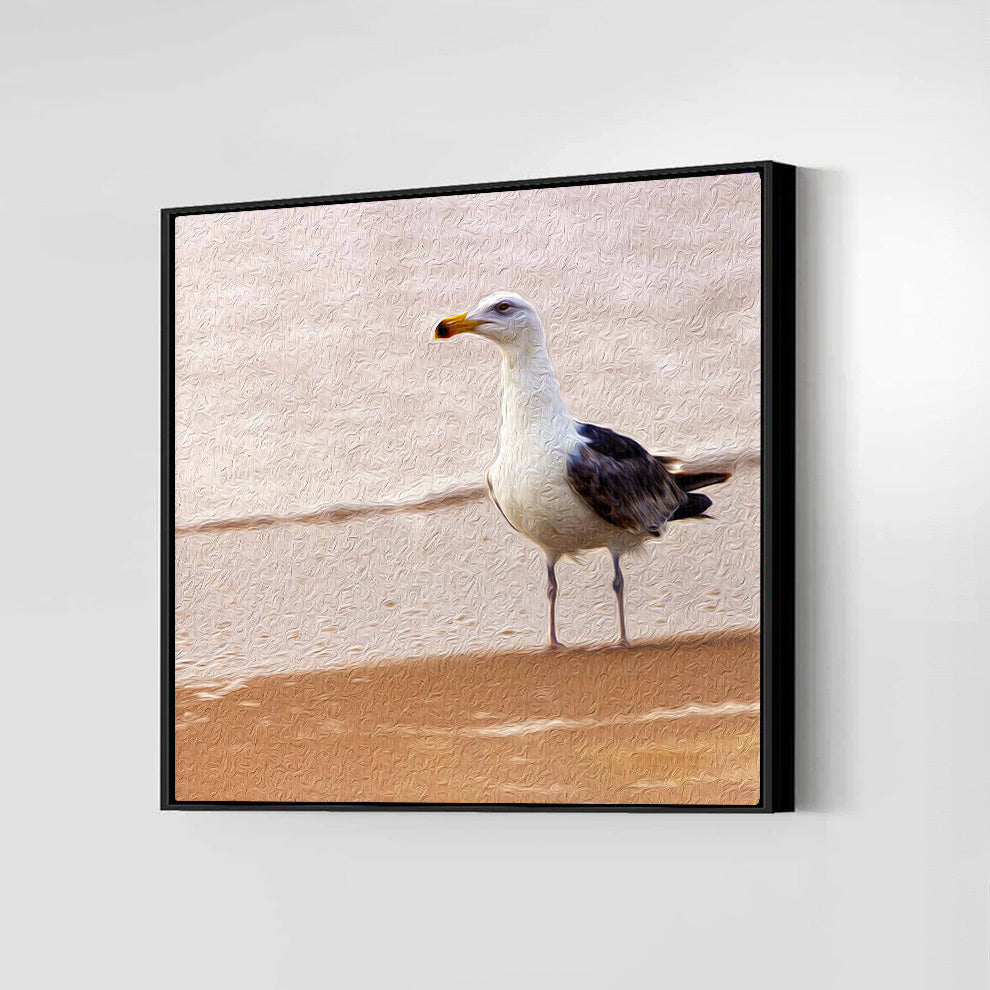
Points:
(355, 621)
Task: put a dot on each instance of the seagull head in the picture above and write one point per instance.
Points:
(504, 318)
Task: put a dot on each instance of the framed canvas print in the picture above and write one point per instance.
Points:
(481, 497)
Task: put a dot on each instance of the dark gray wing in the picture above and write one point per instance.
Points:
(622, 481)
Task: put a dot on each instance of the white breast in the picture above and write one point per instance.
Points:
(529, 482)
(529, 476)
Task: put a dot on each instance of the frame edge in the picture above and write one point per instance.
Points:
(167, 467)
(779, 672)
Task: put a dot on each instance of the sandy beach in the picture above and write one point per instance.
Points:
(661, 723)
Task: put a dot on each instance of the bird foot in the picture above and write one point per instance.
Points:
(553, 646)
(624, 641)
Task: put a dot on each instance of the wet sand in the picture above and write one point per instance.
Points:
(670, 722)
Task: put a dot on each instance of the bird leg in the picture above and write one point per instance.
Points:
(618, 586)
(552, 598)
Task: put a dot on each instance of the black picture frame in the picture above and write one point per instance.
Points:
(777, 489)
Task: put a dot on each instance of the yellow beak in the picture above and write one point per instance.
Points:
(454, 325)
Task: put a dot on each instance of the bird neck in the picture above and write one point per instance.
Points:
(530, 393)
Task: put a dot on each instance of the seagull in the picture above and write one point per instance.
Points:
(569, 486)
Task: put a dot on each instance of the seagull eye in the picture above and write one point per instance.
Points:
(504, 307)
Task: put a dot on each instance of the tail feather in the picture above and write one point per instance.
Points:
(695, 506)
(689, 482)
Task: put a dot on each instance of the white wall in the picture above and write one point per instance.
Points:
(112, 110)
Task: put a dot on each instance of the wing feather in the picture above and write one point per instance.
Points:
(622, 482)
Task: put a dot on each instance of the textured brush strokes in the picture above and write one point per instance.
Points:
(336, 561)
